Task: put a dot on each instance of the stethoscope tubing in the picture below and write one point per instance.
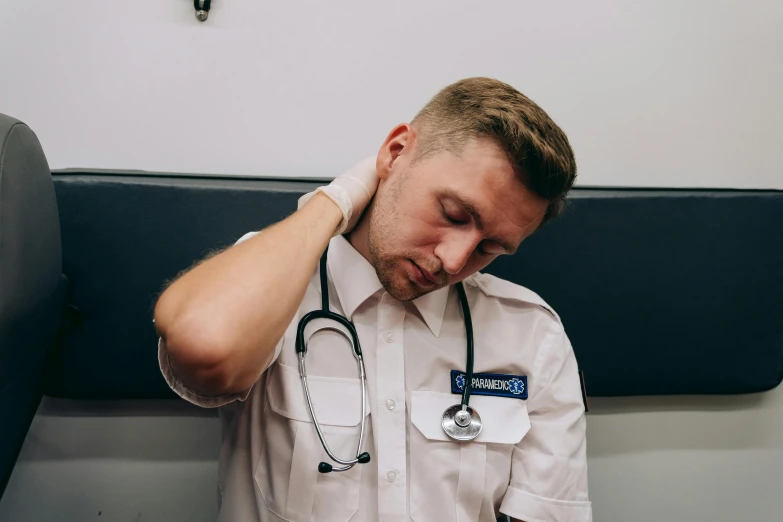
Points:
(351, 335)
(362, 377)
(463, 300)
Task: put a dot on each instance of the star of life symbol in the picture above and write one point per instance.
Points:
(516, 386)
(461, 382)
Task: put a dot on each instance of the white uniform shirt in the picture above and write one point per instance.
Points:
(528, 461)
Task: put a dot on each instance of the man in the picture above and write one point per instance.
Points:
(478, 170)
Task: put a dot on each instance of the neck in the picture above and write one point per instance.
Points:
(359, 237)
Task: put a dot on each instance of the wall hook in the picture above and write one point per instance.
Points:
(202, 9)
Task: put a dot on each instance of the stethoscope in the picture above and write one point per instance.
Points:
(460, 422)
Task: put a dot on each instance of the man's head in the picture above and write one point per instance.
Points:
(478, 170)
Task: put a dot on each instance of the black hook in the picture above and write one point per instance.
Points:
(202, 9)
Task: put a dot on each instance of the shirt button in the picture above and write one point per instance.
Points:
(391, 476)
(389, 337)
(390, 404)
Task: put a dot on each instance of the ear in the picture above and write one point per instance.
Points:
(396, 150)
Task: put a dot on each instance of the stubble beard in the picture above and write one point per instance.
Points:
(381, 234)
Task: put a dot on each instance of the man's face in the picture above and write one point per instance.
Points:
(438, 220)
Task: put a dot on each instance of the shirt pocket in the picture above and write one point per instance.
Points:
(451, 480)
(289, 451)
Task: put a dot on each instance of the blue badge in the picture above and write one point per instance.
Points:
(496, 384)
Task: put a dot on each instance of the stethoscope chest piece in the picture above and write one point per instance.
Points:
(461, 423)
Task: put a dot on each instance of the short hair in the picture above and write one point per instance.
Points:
(473, 108)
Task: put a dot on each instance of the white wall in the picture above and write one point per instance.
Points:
(651, 459)
(654, 93)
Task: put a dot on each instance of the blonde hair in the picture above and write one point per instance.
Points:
(473, 108)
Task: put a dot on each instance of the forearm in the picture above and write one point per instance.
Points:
(222, 320)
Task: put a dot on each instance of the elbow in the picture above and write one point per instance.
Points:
(200, 366)
(197, 354)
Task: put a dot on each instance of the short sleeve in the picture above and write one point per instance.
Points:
(191, 395)
(549, 466)
(247, 236)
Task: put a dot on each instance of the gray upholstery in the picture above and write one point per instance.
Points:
(661, 291)
(31, 282)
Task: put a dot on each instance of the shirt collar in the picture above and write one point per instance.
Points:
(355, 281)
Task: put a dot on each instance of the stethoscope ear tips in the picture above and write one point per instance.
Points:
(363, 458)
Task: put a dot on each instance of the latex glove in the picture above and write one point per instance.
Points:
(351, 192)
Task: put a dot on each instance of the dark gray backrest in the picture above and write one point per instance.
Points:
(660, 291)
(31, 284)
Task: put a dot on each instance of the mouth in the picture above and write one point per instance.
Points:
(422, 276)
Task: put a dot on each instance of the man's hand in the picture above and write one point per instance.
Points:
(351, 192)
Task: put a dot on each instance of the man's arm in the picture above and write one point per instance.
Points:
(222, 320)
(549, 466)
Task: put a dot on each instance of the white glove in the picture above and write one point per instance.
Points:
(351, 192)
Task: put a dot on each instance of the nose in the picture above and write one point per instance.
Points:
(455, 250)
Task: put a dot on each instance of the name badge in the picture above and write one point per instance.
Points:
(496, 384)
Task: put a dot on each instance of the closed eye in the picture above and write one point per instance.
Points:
(451, 219)
(456, 221)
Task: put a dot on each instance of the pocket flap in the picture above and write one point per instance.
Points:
(337, 401)
(504, 420)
